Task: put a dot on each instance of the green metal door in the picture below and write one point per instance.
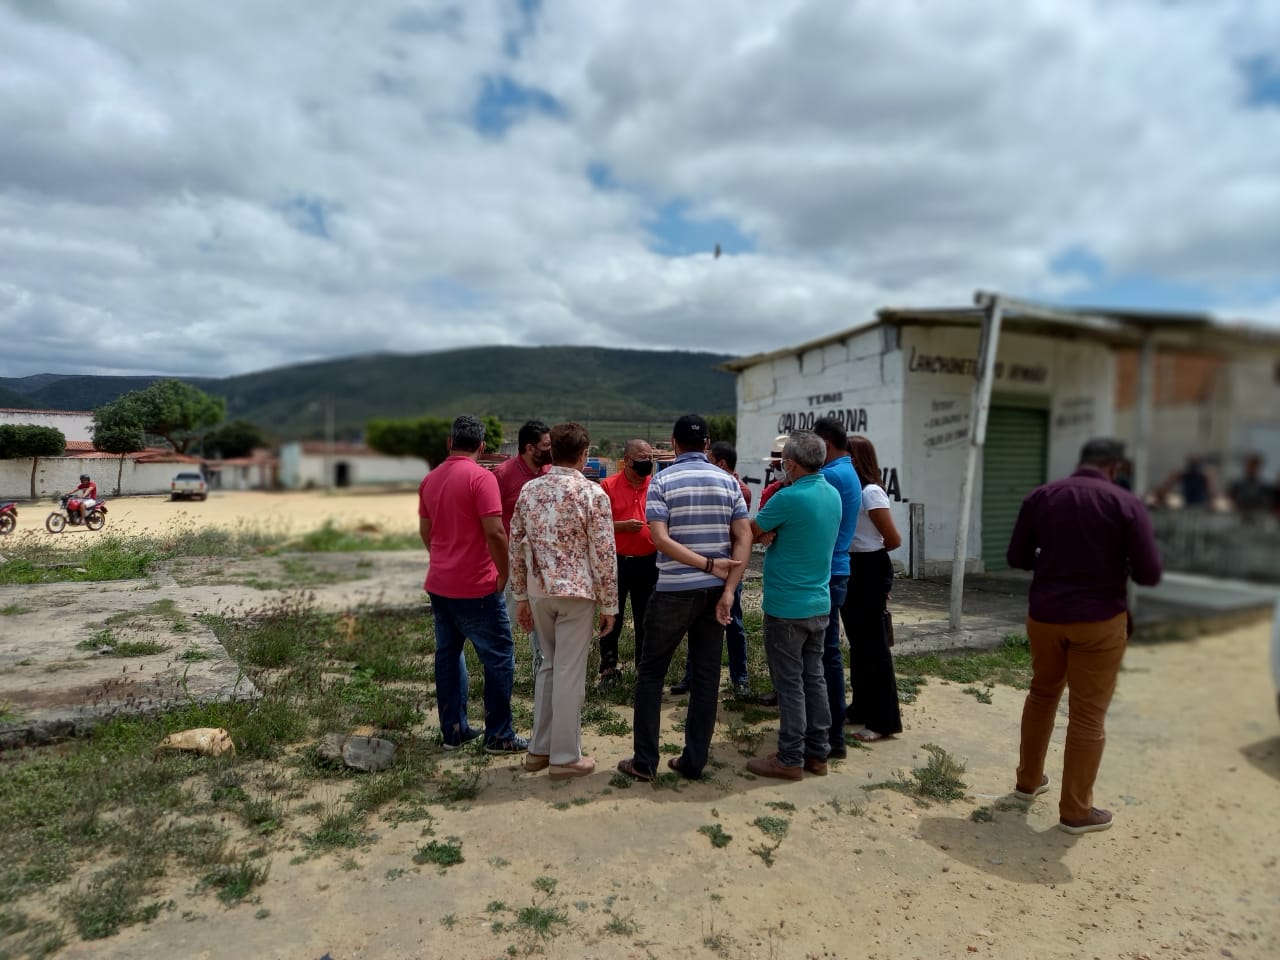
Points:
(1013, 464)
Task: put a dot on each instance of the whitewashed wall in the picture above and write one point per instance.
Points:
(857, 380)
(74, 424)
(300, 469)
(60, 474)
(1076, 378)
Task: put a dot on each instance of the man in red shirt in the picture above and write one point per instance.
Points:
(1082, 537)
(637, 556)
(532, 460)
(460, 521)
(87, 493)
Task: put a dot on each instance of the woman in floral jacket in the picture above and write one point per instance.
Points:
(562, 568)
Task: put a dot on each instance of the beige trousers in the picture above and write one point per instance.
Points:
(565, 627)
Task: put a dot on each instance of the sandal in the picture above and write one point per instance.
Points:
(628, 767)
(674, 764)
(869, 736)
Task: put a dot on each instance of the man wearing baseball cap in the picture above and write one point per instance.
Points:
(698, 521)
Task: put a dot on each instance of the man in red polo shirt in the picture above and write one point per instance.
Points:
(460, 521)
(532, 460)
(637, 556)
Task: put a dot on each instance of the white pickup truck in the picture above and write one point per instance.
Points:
(188, 486)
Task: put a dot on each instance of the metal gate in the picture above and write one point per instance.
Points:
(1013, 464)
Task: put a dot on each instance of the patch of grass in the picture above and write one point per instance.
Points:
(499, 862)
(338, 830)
(539, 918)
(715, 833)
(909, 686)
(14, 610)
(670, 749)
(855, 808)
(785, 806)
(746, 737)
(495, 906)
(449, 920)
(112, 900)
(981, 695)
(622, 926)
(458, 787)
(938, 779)
(766, 851)
(620, 780)
(32, 939)
(1008, 665)
(606, 722)
(332, 539)
(982, 815)
(443, 854)
(106, 642)
(775, 827)
(373, 703)
(234, 881)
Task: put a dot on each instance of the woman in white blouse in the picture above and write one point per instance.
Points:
(874, 688)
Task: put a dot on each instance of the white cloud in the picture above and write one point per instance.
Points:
(217, 188)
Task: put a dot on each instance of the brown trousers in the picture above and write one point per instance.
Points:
(1084, 657)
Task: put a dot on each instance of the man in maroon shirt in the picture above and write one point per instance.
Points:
(533, 460)
(1082, 537)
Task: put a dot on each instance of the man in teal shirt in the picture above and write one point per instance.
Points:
(799, 524)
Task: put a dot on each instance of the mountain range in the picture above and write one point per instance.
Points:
(590, 384)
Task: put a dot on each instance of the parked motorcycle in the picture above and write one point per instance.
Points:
(94, 518)
(8, 517)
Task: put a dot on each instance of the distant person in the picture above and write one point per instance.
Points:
(838, 469)
(873, 687)
(774, 478)
(87, 492)
(460, 521)
(698, 521)
(801, 524)
(635, 555)
(724, 456)
(1252, 495)
(532, 459)
(1082, 538)
(1193, 484)
(562, 567)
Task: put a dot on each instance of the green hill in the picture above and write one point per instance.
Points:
(626, 388)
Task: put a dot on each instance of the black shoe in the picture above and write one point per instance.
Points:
(680, 688)
(467, 737)
(838, 752)
(769, 699)
(510, 745)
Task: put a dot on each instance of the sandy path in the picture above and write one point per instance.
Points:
(1190, 870)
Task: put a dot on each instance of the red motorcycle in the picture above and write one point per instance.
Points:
(95, 517)
(8, 518)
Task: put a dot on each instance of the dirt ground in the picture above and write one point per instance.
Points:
(291, 513)
(1192, 772)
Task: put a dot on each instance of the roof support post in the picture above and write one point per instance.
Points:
(1144, 418)
(979, 407)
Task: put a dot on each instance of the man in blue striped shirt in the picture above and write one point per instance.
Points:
(698, 520)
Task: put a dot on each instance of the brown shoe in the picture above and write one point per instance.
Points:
(1095, 821)
(815, 766)
(770, 767)
(582, 767)
(533, 762)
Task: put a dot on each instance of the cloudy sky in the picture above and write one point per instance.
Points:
(213, 188)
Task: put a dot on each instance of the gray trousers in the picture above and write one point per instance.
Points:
(566, 629)
(794, 650)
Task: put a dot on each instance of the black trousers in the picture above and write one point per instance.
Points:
(637, 576)
(872, 683)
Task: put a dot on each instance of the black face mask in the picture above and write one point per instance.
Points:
(642, 468)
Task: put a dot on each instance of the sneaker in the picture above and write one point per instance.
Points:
(467, 736)
(838, 751)
(510, 745)
(680, 688)
(742, 689)
(771, 767)
(1028, 795)
(1095, 821)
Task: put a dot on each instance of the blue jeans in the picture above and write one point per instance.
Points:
(485, 623)
(672, 615)
(735, 640)
(832, 662)
(795, 652)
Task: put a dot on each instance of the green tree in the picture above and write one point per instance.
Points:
(19, 441)
(176, 412)
(238, 438)
(117, 431)
(425, 437)
(492, 433)
(723, 427)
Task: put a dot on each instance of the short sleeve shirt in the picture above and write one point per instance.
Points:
(841, 475)
(867, 538)
(697, 501)
(455, 497)
(512, 475)
(797, 565)
(628, 503)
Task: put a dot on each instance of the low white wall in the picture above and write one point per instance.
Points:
(60, 474)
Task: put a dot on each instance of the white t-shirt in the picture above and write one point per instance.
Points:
(866, 538)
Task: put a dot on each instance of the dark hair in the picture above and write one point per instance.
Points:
(467, 434)
(531, 433)
(832, 430)
(723, 450)
(568, 441)
(863, 454)
(1101, 452)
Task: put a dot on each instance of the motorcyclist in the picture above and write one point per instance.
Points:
(88, 494)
